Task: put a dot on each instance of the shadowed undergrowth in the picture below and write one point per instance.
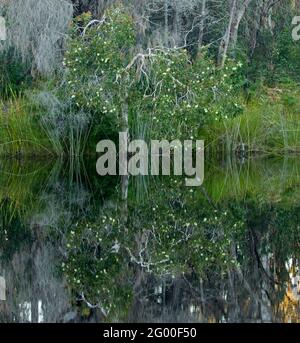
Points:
(20, 131)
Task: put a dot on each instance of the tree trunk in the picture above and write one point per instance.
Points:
(228, 42)
(202, 23)
(177, 25)
(239, 16)
(125, 178)
(166, 17)
(224, 45)
(254, 29)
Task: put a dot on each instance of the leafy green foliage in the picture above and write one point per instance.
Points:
(166, 237)
(160, 86)
(95, 267)
(14, 76)
(275, 59)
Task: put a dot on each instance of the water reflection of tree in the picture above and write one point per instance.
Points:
(31, 231)
(28, 261)
(179, 259)
(170, 256)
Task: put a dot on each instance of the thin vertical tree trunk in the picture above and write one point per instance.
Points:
(224, 45)
(202, 23)
(239, 16)
(124, 174)
(229, 40)
(166, 17)
(254, 33)
(125, 178)
(177, 24)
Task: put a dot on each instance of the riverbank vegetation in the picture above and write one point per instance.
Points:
(226, 72)
(78, 247)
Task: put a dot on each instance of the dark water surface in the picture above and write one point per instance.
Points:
(71, 250)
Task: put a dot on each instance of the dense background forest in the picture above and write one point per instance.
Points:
(223, 70)
(77, 247)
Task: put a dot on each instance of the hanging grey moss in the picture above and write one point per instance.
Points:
(37, 30)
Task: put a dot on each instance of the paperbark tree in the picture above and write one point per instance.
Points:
(202, 23)
(229, 40)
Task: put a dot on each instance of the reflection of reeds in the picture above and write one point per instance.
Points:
(51, 189)
(141, 129)
(21, 184)
(268, 180)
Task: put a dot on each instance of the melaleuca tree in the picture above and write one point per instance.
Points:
(106, 75)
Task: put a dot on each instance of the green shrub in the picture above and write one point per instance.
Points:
(105, 76)
(14, 76)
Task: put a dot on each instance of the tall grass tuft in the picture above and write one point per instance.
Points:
(66, 129)
(20, 131)
(268, 126)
